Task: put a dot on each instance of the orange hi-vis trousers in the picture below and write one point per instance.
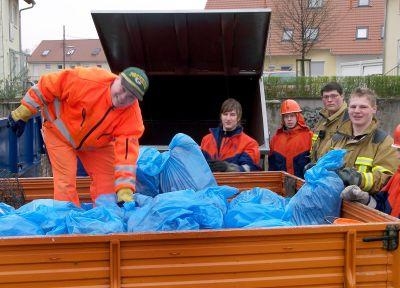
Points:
(98, 163)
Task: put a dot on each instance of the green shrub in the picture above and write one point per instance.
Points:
(309, 87)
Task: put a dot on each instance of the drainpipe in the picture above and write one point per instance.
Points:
(32, 2)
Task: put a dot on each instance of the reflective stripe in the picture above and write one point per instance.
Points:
(127, 180)
(129, 168)
(63, 130)
(364, 161)
(314, 138)
(46, 113)
(368, 181)
(57, 122)
(28, 99)
(381, 169)
(364, 168)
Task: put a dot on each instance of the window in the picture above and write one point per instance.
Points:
(59, 66)
(315, 3)
(363, 3)
(96, 51)
(382, 31)
(312, 34)
(362, 33)
(317, 68)
(70, 51)
(287, 35)
(98, 65)
(45, 52)
(47, 66)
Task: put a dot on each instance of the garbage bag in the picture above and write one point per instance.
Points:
(6, 209)
(255, 205)
(149, 165)
(319, 197)
(15, 225)
(181, 210)
(99, 220)
(186, 167)
(48, 214)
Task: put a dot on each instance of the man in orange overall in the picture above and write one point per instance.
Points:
(92, 114)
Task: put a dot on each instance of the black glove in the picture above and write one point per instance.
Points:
(218, 166)
(350, 176)
(17, 127)
(308, 166)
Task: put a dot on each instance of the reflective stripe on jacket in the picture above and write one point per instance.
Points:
(77, 102)
(232, 146)
(290, 149)
(325, 128)
(371, 154)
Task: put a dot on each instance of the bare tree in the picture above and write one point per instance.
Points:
(302, 24)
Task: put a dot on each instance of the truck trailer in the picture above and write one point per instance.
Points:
(195, 60)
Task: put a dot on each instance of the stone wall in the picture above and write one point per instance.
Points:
(388, 112)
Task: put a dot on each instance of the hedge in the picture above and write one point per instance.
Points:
(309, 87)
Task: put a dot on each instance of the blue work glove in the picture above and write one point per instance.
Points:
(17, 127)
(350, 176)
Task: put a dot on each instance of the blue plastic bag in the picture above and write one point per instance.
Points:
(255, 205)
(15, 225)
(149, 165)
(48, 214)
(181, 210)
(319, 197)
(186, 167)
(99, 220)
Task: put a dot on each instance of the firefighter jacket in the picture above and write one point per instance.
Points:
(232, 146)
(77, 102)
(370, 153)
(325, 128)
(290, 148)
(388, 200)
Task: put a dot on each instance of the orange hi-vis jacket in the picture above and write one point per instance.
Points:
(232, 146)
(290, 148)
(77, 102)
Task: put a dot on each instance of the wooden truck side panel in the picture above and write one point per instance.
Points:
(304, 256)
(319, 256)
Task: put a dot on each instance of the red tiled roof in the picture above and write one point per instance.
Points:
(342, 40)
(85, 51)
(235, 4)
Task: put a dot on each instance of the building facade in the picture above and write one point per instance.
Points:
(392, 38)
(54, 55)
(353, 47)
(12, 59)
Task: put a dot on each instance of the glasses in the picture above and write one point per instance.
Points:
(330, 96)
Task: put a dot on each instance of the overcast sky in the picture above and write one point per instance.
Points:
(46, 19)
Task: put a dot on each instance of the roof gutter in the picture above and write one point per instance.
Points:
(33, 3)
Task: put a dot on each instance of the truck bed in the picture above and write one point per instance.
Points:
(303, 256)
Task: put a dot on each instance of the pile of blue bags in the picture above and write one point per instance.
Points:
(177, 191)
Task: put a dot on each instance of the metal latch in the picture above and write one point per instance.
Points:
(390, 238)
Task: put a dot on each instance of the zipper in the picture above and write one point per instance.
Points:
(93, 128)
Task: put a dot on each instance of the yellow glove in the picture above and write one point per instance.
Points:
(124, 195)
(21, 113)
